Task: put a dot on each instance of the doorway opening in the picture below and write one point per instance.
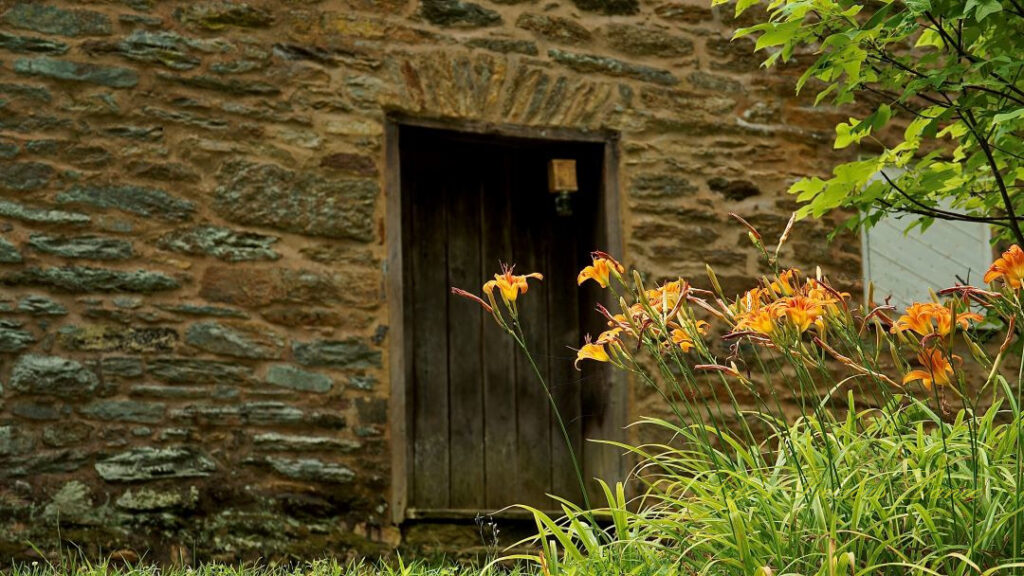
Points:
(476, 431)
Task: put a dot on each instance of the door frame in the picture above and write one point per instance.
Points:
(399, 376)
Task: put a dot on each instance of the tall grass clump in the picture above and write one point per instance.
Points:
(809, 435)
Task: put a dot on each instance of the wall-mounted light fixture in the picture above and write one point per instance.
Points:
(562, 183)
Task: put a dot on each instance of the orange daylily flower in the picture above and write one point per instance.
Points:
(682, 339)
(591, 351)
(510, 285)
(802, 311)
(609, 335)
(761, 320)
(937, 369)
(601, 269)
(785, 285)
(1009, 267)
(932, 318)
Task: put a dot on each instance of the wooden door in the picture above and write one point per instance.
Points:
(481, 429)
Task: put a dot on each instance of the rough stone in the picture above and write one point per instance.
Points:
(89, 247)
(79, 279)
(121, 367)
(646, 41)
(714, 82)
(14, 441)
(37, 305)
(219, 15)
(203, 310)
(362, 382)
(52, 376)
(25, 176)
(255, 287)
(9, 253)
(124, 411)
(149, 202)
(653, 185)
(275, 442)
(14, 340)
(41, 411)
(148, 133)
(53, 20)
(217, 392)
(271, 413)
(9, 150)
(734, 190)
(458, 13)
(288, 376)
(681, 12)
(164, 48)
(163, 171)
(145, 464)
(87, 156)
(147, 500)
(28, 44)
(235, 340)
(355, 164)
(191, 371)
(349, 353)
(301, 315)
(312, 470)
(186, 118)
(40, 215)
(554, 28)
(609, 7)
(111, 338)
(589, 63)
(223, 243)
(268, 195)
(111, 76)
(228, 85)
(504, 46)
(36, 94)
(65, 434)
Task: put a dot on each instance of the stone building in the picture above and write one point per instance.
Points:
(220, 222)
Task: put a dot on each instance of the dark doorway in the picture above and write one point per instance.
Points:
(480, 432)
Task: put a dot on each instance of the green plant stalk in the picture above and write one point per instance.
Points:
(517, 334)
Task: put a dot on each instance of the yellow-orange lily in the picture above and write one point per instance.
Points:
(601, 269)
(682, 339)
(510, 285)
(786, 283)
(762, 320)
(802, 312)
(1009, 268)
(937, 370)
(927, 318)
(591, 351)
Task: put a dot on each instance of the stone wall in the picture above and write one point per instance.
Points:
(192, 326)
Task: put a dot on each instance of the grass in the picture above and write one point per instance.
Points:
(326, 567)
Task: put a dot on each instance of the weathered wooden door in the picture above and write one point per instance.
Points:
(482, 432)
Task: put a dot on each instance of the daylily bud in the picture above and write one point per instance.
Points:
(714, 281)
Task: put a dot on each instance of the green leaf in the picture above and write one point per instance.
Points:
(779, 34)
(1007, 116)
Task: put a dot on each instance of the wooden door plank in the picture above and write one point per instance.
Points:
(603, 390)
(564, 331)
(464, 333)
(499, 351)
(531, 217)
(430, 355)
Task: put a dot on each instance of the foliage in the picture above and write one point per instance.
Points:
(70, 566)
(950, 72)
(817, 438)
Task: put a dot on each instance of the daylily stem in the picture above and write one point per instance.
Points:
(521, 340)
